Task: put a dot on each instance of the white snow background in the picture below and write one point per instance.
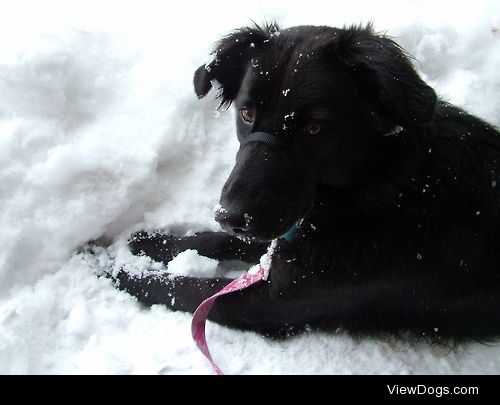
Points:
(102, 134)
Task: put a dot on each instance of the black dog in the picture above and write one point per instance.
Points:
(388, 196)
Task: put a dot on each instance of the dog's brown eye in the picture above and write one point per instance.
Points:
(312, 129)
(248, 114)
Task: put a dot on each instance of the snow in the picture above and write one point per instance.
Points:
(190, 262)
(101, 135)
(266, 259)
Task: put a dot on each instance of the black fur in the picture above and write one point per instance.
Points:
(402, 231)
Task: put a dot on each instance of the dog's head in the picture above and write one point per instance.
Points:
(324, 97)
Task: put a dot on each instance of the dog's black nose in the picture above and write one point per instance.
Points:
(233, 222)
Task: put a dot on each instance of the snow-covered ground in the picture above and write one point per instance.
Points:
(101, 134)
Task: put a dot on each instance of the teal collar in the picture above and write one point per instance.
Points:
(292, 232)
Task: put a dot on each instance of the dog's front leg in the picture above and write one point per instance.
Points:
(259, 307)
(217, 245)
(179, 293)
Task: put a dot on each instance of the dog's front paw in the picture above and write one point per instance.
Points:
(158, 246)
(149, 288)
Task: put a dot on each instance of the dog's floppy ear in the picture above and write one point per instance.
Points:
(385, 76)
(231, 56)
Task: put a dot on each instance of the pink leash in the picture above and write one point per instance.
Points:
(201, 313)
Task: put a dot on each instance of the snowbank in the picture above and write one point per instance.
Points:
(102, 135)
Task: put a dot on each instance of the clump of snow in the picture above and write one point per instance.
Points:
(101, 135)
(267, 258)
(190, 263)
(265, 261)
(219, 209)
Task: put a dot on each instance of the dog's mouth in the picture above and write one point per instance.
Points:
(259, 227)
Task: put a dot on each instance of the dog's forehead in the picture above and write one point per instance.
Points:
(281, 67)
(293, 64)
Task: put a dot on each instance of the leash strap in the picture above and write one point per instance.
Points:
(201, 313)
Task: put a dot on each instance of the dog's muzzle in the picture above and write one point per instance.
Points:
(291, 152)
(234, 219)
